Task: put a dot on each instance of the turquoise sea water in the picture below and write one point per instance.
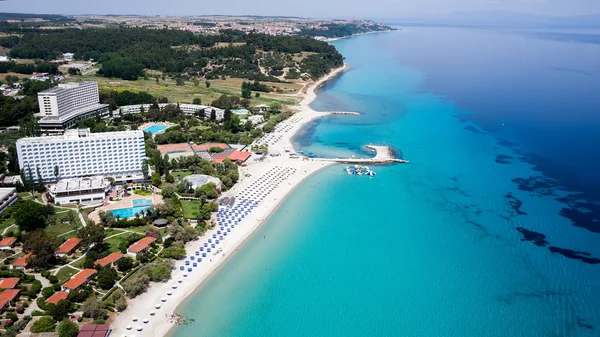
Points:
(466, 240)
(154, 129)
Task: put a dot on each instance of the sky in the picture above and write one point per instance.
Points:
(306, 8)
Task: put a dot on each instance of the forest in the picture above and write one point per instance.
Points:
(126, 52)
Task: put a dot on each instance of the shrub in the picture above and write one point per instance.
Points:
(44, 324)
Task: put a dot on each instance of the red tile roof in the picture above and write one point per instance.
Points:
(8, 242)
(112, 258)
(79, 279)
(238, 156)
(57, 297)
(206, 146)
(9, 283)
(7, 296)
(22, 261)
(94, 330)
(141, 244)
(69, 246)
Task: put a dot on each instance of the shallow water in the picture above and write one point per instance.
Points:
(482, 234)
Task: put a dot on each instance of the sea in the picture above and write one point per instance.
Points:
(493, 227)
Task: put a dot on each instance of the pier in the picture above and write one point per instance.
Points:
(345, 113)
(383, 156)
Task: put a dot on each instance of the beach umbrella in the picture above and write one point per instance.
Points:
(134, 319)
(169, 293)
(157, 306)
(190, 270)
(174, 286)
(145, 320)
(184, 275)
(163, 299)
(152, 313)
(139, 328)
(195, 264)
(129, 327)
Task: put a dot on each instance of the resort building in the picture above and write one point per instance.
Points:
(57, 297)
(199, 180)
(8, 196)
(233, 155)
(9, 283)
(7, 297)
(188, 109)
(62, 106)
(68, 247)
(140, 246)
(79, 153)
(262, 107)
(68, 191)
(256, 119)
(21, 263)
(7, 243)
(79, 279)
(109, 260)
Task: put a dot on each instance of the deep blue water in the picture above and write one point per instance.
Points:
(491, 229)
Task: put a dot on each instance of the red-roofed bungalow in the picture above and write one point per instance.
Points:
(140, 246)
(79, 279)
(109, 260)
(7, 243)
(68, 247)
(9, 283)
(57, 297)
(6, 298)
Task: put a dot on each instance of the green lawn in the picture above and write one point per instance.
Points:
(7, 223)
(113, 243)
(110, 231)
(65, 273)
(142, 192)
(62, 228)
(181, 174)
(190, 208)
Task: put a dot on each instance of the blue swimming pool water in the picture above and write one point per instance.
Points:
(141, 202)
(154, 129)
(130, 212)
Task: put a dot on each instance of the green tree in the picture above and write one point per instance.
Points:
(31, 216)
(246, 93)
(66, 328)
(94, 308)
(56, 172)
(125, 264)
(106, 278)
(42, 246)
(120, 300)
(60, 310)
(227, 115)
(93, 234)
(145, 169)
(275, 107)
(197, 100)
(207, 84)
(156, 181)
(44, 324)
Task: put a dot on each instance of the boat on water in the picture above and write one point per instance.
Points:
(359, 170)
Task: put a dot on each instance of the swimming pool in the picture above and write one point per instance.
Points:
(138, 206)
(154, 129)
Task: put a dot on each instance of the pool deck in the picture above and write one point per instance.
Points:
(125, 203)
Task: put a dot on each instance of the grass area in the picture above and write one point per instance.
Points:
(20, 76)
(113, 243)
(61, 229)
(199, 128)
(25, 196)
(186, 93)
(110, 231)
(7, 223)
(65, 273)
(142, 192)
(181, 174)
(190, 208)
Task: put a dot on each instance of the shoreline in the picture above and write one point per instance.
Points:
(333, 39)
(161, 324)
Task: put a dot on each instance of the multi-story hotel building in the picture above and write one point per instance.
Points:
(8, 196)
(79, 153)
(62, 106)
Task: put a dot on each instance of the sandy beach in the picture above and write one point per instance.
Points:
(161, 322)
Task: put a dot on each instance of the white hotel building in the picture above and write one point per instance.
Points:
(62, 106)
(79, 153)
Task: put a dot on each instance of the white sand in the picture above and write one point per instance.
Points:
(141, 306)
